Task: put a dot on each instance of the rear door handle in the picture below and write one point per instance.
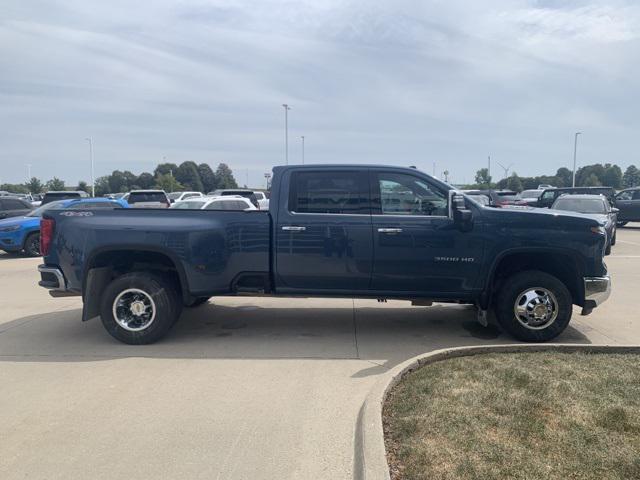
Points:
(291, 228)
(389, 230)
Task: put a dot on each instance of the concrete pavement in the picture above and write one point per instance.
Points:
(241, 388)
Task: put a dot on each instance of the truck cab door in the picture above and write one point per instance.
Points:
(418, 248)
(323, 231)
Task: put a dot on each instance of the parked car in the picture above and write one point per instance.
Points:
(148, 199)
(236, 191)
(530, 197)
(22, 234)
(551, 194)
(14, 207)
(178, 196)
(263, 200)
(484, 200)
(544, 186)
(596, 206)
(235, 202)
(52, 196)
(497, 198)
(348, 230)
(628, 202)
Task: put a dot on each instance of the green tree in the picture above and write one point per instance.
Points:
(592, 181)
(145, 180)
(565, 177)
(612, 176)
(130, 180)
(117, 182)
(514, 183)
(224, 177)
(631, 177)
(207, 177)
(102, 186)
(168, 183)
(483, 177)
(82, 185)
(165, 168)
(34, 185)
(55, 184)
(188, 176)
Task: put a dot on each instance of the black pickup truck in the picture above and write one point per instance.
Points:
(333, 231)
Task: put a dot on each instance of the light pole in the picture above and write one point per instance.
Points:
(575, 150)
(28, 172)
(302, 137)
(286, 132)
(93, 183)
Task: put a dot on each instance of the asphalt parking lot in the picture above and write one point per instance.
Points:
(241, 388)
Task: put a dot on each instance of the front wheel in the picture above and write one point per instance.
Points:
(534, 306)
(139, 308)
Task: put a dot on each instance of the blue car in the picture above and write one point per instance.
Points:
(22, 234)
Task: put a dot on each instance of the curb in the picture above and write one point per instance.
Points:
(370, 459)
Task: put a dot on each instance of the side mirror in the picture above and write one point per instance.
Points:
(459, 212)
(615, 210)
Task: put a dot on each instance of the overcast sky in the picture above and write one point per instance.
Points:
(395, 82)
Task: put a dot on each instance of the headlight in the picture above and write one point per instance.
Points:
(600, 230)
(12, 228)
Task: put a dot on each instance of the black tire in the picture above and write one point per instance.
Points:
(198, 301)
(512, 290)
(607, 250)
(615, 234)
(32, 245)
(159, 292)
(621, 224)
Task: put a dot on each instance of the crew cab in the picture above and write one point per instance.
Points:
(330, 231)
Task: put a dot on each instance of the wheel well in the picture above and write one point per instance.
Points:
(125, 261)
(26, 237)
(561, 266)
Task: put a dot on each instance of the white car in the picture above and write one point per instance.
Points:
(179, 196)
(148, 199)
(237, 203)
(263, 201)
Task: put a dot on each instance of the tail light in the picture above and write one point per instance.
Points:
(46, 235)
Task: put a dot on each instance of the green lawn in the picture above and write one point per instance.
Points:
(517, 416)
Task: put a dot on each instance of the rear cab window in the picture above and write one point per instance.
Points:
(339, 192)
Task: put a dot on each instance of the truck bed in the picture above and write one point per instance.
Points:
(211, 249)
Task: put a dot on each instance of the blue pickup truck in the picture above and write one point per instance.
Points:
(331, 231)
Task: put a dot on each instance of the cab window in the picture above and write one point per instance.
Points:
(329, 192)
(628, 195)
(404, 194)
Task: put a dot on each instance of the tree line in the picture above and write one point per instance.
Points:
(596, 175)
(169, 177)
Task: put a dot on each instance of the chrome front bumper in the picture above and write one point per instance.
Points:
(596, 291)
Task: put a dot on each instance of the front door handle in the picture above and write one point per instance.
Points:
(389, 230)
(291, 228)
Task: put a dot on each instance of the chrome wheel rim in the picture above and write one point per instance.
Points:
(134, 310)
(536, 308)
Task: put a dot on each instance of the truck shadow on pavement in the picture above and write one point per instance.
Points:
(384, 336)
